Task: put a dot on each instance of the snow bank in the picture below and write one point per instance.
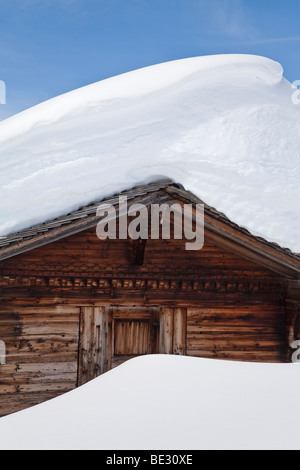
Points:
(171, 403)
(223, 126)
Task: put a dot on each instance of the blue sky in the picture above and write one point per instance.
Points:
(49, 47)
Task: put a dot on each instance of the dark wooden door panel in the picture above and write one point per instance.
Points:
(131, 338)
(134, 333)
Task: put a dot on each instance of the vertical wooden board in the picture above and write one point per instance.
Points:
(166, 331)
(98, 349)
(155, 327)
(143, 335)
(84, 345)
(91, 348)
(131, 337)
(118, 337)
(108, 338)
(180, 331)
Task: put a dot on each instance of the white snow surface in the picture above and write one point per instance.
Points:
(224, 126)
(171, 403)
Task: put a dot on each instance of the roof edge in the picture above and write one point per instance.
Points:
(156, 192)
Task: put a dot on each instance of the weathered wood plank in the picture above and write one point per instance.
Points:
(166, 331)
(91, 345)
(180, 331)
(108, 339)
(42, 351)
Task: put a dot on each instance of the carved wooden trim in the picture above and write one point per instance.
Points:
(110, 271)
(202, 285)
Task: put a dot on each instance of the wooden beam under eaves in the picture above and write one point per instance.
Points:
(138, 251)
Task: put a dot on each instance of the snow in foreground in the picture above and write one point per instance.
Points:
(223, 126)
(168, 403)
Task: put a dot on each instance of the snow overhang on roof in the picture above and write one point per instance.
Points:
(218, 228)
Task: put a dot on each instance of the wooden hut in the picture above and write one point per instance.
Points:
(73, 307)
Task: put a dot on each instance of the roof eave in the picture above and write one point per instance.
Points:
(218, 228)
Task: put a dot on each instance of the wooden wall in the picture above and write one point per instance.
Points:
(252, 332)
(42, 348)
(230, 308)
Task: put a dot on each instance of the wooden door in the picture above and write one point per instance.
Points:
(110, 336)
(134, 332)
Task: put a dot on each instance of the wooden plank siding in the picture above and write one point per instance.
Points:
(91, 344)
(42, 354)
(62, 304)
(249, 333)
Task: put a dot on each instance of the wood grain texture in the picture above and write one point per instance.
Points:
(77, 307)
(134, 333)
(91, 344)
(252, 333)
(42, 350)
(166, 331)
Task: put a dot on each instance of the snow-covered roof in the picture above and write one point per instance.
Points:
(224, 126)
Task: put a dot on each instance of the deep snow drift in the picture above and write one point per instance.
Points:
(223, 126)
(168, 402)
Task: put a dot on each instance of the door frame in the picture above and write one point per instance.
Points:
(96, 338)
